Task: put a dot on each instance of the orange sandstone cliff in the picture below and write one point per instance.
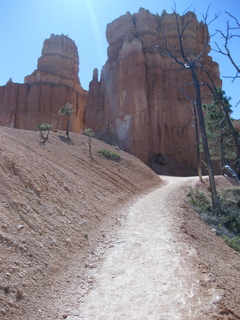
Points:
(46, 90)
(139, 98)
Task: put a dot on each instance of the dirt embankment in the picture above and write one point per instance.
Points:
(55, 203)
(69, 225)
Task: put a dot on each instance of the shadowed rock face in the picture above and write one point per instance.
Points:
(46, 90)
(139, 96)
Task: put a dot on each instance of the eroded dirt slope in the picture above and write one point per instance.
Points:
(55, 203)
(61, 216)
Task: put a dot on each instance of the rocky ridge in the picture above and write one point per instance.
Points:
(60, 217)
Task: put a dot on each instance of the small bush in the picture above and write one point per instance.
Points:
(199, 200)
(113, 140)
(44, 130)
(67, 111)
(233, 242)
(6, 289)
(110, 155)
(225, 219)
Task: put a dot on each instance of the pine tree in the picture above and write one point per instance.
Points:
(220, 139)
(67, 111)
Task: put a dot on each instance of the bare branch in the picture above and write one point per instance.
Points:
(219, 50)
(232, 77)
(202, 52)
(227, 36)
(228, 54)
(234, 18)
(237, 104)
(175, 7)
(186, 25)
(187, 96)
(206, 16)
(166, 51)
(185, 11)
(234, 35)
(216, 16)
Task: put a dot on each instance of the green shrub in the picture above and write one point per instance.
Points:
(67, 111)
(113, 140)
(110, 155)
(199, 200)
(225, 219)
(44, 130)
(233, 242)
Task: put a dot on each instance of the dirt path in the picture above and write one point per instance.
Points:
(148, 273)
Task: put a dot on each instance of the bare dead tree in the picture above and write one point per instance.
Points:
(232, 31)
(190, 61)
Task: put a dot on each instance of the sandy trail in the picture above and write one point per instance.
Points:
(148, 273)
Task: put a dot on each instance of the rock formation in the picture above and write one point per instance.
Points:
(59, 63)
(139, 97)
(46, 90)
(236, 124)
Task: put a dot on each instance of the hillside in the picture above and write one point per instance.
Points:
(56, 203)
(59, 217)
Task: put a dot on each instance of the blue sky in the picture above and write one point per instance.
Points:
(25, 24)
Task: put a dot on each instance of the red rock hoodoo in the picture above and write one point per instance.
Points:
(139, 97)
(46, 90)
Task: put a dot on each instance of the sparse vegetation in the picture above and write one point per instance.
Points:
(225, 219)
(19, 295)
(233, 242)
(67, 111)
(113, 140)
(6, 289)
(44, 130)
(220, 138)
(89, 132)
(110, 155)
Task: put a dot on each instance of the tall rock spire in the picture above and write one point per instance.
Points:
(141, 90)
(46, 90)
(59, 63)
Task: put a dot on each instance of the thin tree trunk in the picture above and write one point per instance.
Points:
(68, 123)
(204, 136)
(198, 145)
(222, 148)
(233, 132)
